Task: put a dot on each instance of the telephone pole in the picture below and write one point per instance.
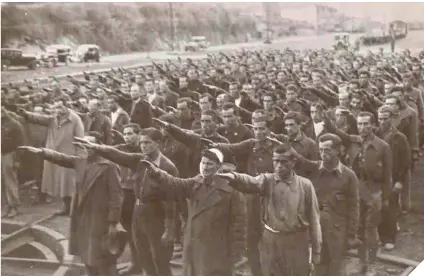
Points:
(171, 23)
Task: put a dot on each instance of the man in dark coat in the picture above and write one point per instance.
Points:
(153, 224)
(337, 189)
(96, 207)
(213, 239)
(96, 121)
(401, 156)
(118, 117)
(12, 136)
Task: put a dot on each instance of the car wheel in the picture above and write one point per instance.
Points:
(32, 66)
(97, 59)
(5, 66)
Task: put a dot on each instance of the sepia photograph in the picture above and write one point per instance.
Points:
(212, 138)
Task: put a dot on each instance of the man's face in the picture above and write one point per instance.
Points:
(353, 87)
(147, 145)
(384, 120)
(283, 164)
(344, 100)
(316, 114)
(59, 108)
(229, 117)
(296, 68)
(292, 128)
(205, 104)
(149, 86)
(212, 73)
(363, 79)
(208, 167)
(291, 95)
(248, 89)
(125, 87)
(341, 119)
(234, 91)
(271, 76)
(220, 100)
(365, 127)
(207, 124)
(192, 74)
(183, 82)
(356, 103)
(392, 103)
(407, 80)
(135, 93)
(268, 103)
(327, 152)
(139, 79)
(130, 137)
(112, 105)
(260, 131)
(280, 77)
(387, 88)
(416, 70)
(316, 81)
(373, 71)
(183, 109)
(93, 106)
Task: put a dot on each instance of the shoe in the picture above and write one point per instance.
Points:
(371, 271)
(12, 213)
(389, 246)
(129, 270)
(6, 212)
(62, 212)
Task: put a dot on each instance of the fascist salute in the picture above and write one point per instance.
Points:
(290, 214)
(213, 240)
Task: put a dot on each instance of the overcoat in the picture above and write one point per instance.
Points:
(96, 203)
(59, 181)
(214, 231)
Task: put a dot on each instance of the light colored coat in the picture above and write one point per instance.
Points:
(59, 181)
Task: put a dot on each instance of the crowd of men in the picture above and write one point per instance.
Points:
(288, 158)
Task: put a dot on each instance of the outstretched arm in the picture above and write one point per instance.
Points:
(61, 159)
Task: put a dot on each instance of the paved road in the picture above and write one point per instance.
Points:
(415, 41)
(298, 42)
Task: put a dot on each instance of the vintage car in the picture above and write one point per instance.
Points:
(16, 58)
(196, 43)
(87, 52)
(60, 52)
(341, 41)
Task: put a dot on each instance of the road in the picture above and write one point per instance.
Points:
(415, 40)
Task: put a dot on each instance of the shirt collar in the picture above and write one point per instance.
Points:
(298, 137)
(338, 168)
(265, 145)
(289, 182)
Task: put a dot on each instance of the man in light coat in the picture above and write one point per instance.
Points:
(63, 126)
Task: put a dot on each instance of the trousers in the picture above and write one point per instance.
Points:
(10, 185)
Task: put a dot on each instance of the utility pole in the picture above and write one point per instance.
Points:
(171, 23)
(267, 22)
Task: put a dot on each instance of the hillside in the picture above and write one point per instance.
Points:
(121, 28)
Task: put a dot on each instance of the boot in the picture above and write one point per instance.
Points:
(66, 207)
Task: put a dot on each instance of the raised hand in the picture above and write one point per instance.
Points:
(31, 149)
(161, 123)
(274, 140)
(228, 176)
(208, 143)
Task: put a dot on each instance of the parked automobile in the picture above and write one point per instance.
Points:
(341, 41)
(58, 53)
(87, 52)
(196, 43)
(17, 58)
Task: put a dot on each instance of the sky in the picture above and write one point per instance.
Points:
(383, 11)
